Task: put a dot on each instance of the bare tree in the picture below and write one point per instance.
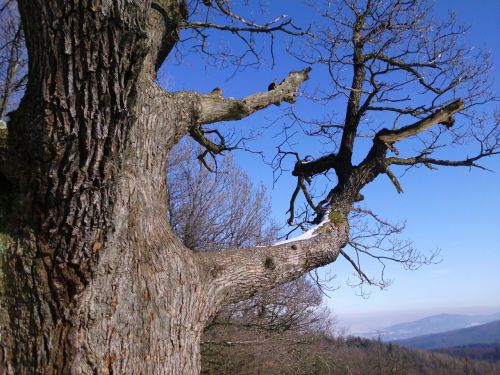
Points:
(269, 333)
(401, 77)
(213, 211)
(13, 59)
(93, 278)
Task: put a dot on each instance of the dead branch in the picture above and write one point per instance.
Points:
(357, 267)
(291, 210)
(469, 162)
(394, 180)
(214, 107)
(441, 116)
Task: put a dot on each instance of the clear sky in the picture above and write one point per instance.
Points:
(454, 210)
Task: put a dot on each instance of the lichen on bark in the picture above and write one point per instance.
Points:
(336, 218)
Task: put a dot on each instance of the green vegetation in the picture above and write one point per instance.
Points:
(336, 218)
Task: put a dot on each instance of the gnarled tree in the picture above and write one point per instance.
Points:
(93, 278)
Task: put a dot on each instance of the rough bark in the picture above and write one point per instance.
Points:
(239, 274)
(93, 280)
(90, 190)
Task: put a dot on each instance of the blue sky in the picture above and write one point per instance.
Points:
(454, 210)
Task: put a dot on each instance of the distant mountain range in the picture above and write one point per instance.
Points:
(488, 333)
(430, 325)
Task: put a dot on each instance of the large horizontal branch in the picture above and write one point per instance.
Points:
(239, 274)
(469, 162)
(214, 107)
(443, 115)
(231, 343)
(263, 29)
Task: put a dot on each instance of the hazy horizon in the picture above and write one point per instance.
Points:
(352, 323)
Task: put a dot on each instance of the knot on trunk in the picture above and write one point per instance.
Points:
(269, 263)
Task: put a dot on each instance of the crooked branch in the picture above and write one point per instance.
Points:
(393, 179)
(443, 115)
(357, 267)
(239, 274)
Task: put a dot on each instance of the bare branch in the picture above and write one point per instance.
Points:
(214, 107)
(394, 180)
(206, 29)
(281, 23)
(291, 210)
(469, 162)
(384, 223)
(199, 136)
(444, 115)
(307, 195)
(234, 29)
(357, 267)
(411, 68)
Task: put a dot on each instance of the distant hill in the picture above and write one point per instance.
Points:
(477, 352)
(430, 325)
(483, 334)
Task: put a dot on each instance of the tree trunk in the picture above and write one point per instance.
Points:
(93, 279)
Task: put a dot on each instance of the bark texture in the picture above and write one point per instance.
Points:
(93, 280)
